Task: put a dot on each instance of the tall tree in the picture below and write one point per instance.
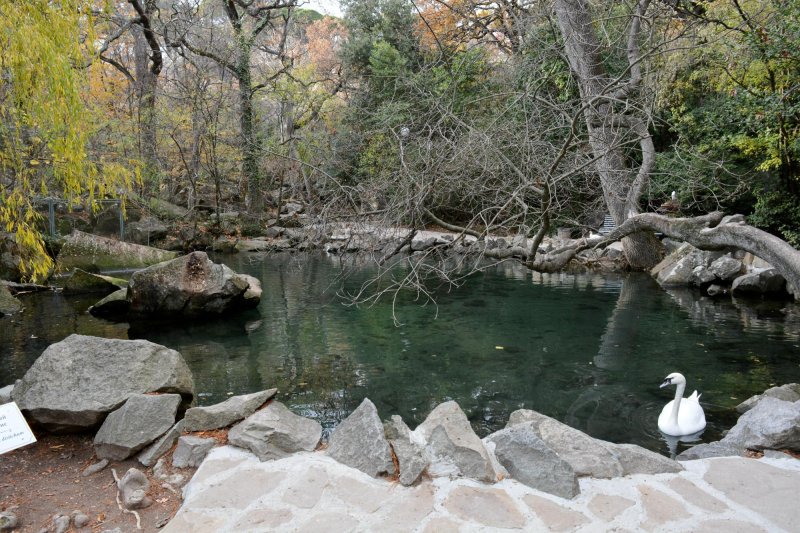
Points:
(613, 117)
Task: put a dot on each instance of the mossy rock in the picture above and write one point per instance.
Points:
(82, 282)
(94, 254)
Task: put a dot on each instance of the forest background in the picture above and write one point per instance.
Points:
(506, 117)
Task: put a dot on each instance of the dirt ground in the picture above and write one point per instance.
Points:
(44, 479)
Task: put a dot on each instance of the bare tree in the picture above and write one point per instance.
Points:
(246, 19)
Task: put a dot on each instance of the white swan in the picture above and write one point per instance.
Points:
(681, 416)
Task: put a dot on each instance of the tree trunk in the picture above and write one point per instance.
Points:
(714, 232)
(609, 130)
(146, 86)
(251, 144)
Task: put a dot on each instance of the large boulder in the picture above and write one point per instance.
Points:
(586, 455)
(531, 462)
(772, 424)
(359, 442)
(411, 457)
(760, 282)
(191, 285)
(8, 304)
(141, 420)
(454, 449)
(82, 282)
(75, 383)
(726, 268)
(589, 456)
(224, 414)
(275, 432)
(677, 268)
(94, 253)
(789, 393)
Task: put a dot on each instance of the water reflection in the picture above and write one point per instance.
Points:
(589, 349)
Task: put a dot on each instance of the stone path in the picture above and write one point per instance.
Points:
(233, 491)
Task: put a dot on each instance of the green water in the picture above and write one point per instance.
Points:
(589, 350)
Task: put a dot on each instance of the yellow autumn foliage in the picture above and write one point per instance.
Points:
(45, 125)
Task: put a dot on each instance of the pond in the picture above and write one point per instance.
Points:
(589, 350)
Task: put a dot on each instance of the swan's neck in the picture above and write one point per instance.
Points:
(677, 403)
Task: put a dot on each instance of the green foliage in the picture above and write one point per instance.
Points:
(734, 112)
(45, 125)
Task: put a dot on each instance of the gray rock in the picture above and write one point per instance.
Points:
(273, 232)
(146, 230)
(115, 305)
(61, 523)
(133, 487)
(358, 441)
(8, 304)
(188, 286)
(733, 219)
(167, 210)
(411, 457)
(710, 449)
(676, 269)
(789, 393)
(637, 460)
(191, 451)
(252, 245)
(140, 421)
(757, 283)
(531, 462)
(716, 290)
(8, 520)
(726, 268)
(454, 449)
(420, 245)
(275, 432)
(79, 519)
(224, 414)
(252, 296)
(94, 253)
(82, 282)
(701, 276)
(771, 424)
(94, 468)
(5, 394)
(75, 383)
(586, 455)
(152, 453)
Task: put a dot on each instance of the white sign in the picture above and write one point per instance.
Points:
(14, 430)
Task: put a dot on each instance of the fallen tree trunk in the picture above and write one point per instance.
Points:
(715, 231)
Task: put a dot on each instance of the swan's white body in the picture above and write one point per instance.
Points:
(681, 416)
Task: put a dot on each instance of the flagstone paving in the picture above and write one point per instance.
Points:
(233, 491)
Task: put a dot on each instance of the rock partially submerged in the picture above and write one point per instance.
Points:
(772, 424)
(94, 253)
(8, 304)
(82, 282)
(789, 392)
(75, 383)
(188, 286)
(113, 306)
